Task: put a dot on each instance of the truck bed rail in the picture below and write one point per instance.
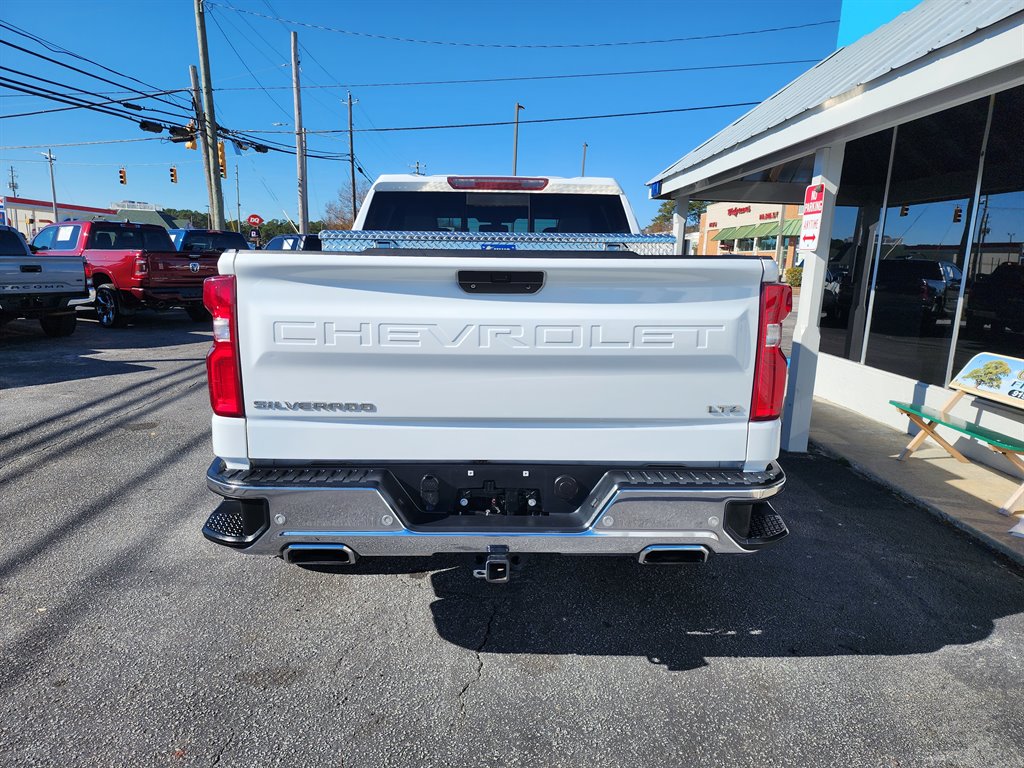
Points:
(355, 242)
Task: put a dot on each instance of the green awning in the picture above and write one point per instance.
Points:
(744, 232)
(726, 234)
(767, 229)
(791, 228)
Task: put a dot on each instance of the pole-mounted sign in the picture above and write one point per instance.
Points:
(255, 220)
(814, 206)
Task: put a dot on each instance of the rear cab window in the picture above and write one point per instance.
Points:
(213, 241)
(500, 212)
(11, 243)
(129, 238)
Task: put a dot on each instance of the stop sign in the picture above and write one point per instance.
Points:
(255, 219)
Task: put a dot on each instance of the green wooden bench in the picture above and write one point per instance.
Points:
(997, 378)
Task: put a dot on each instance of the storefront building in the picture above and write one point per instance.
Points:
(750, 229)
(915, 134)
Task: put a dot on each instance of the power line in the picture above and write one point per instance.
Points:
(242, 61)
(73, 68)
(521, 78)
(82, 143)
(461, 44)
(526, 122)
(79, 90)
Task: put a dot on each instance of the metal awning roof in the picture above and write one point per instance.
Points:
(726, 234)
(744, 232)
(847, 86)
(767, 229)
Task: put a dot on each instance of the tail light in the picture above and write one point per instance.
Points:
(522, 183)
(770, 363)
(222, 367)
(141, 266)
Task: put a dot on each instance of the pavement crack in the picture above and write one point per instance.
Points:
(223, 749)
(495, 607)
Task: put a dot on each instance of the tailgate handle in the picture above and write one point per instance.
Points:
(501, 281)
(31, 267)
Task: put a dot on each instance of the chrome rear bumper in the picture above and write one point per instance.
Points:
(629, 510)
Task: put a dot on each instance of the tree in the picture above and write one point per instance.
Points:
(338, 213)
(662, 221)
(990, 374)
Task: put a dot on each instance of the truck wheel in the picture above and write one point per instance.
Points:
(197, 313)
(108, 308)
(56, 326)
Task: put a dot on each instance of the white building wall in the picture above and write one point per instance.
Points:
(867, 391)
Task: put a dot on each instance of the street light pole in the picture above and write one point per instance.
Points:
(583, 169)
(53, 185)
(515, 139)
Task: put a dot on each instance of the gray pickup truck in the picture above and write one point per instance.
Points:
(39, 286)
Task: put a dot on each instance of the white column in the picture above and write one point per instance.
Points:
(796, 416)
(679, 224)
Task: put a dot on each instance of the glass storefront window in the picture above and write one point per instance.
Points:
(924, 242)
(993, 314)
(767, 243)
(746, 244)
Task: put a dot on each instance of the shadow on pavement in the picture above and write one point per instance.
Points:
(858, 575)
(31, 358)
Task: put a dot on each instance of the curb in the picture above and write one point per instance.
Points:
(978, 535)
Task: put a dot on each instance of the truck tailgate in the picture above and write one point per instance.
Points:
(381, 357)
(41, 274)
(170, 269)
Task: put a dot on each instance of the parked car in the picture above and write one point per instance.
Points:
(40, 285)
(830, 299)
(294, 243)
(132, 267)
(207, 241)
(997, 299)
(915, 293)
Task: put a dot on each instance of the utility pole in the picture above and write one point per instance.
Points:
(209, 126)
(53, 185)
(351, 159)
(238, 201)
(13, 183)
(204, 147)
(416, 168)
(583, 170)
(515, 139)
(300, 138)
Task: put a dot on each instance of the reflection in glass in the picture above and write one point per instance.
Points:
(993, 313)
(924, 243)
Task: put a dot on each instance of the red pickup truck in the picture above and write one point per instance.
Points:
(132, 267)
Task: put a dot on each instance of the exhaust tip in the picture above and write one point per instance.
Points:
(674, 554)
(319, 554)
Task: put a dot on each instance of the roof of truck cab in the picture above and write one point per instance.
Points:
(408, 182)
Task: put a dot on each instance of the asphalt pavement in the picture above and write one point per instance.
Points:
(875, 635)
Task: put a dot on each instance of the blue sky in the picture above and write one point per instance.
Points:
(155, 42)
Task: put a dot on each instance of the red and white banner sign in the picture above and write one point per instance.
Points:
(814, 205)
(255, 220)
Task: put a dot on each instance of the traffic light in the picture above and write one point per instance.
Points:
(222, 160)
(123, 174)
(174, 175)
(904, 210)
(958, 214)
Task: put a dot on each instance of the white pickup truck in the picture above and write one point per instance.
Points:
(492, 366)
